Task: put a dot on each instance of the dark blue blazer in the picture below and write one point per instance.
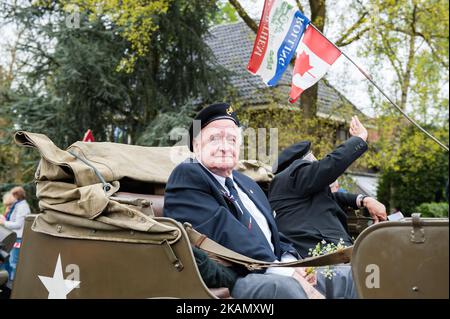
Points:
(193, 195)
(307, 212)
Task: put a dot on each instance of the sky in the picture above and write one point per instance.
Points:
(7, 35)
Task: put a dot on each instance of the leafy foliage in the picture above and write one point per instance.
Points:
(292, 126)
(73, 83)
(136, 20)
(227, 14)
(410, 38)
(415, 173)
(432, 209)
(16, 165)
(167, 128)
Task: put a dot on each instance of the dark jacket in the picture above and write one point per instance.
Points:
(306, 210)
(214, 275)
(193, 195)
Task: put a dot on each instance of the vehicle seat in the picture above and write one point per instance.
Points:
(109, 269)
(403, 259)
(156, 201)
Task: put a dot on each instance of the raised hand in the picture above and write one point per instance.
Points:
(357, 129)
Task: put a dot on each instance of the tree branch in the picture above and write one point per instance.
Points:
(354, 27)
(13, 63)
(393, 59)
(318, 13)
(341, 43)
(428, 41)
(436, 55)
(363, 19)
(299, 5)
(410, 63)
(243, 14)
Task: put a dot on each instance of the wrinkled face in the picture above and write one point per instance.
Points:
(217, 146)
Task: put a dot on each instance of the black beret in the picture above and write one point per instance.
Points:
(291, 154)
(214, 112)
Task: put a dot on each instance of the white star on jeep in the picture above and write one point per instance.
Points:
(57, 286)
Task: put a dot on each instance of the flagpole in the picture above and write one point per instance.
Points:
(368, 77)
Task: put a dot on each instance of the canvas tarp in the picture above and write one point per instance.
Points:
(75, 201)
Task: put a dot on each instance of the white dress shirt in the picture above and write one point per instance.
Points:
(262, 223)
(251, 207)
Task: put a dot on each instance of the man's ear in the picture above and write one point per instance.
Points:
(196, 145)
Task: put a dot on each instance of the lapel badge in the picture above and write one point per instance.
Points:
(251, 191)
(230, 110)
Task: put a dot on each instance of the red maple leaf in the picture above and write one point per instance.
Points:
(303, 66)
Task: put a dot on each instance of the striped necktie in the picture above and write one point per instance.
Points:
(243, 214)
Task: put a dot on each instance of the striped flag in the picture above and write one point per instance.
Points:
(280, 30)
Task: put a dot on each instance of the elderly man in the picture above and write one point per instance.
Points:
(307, 211)
(231, 209)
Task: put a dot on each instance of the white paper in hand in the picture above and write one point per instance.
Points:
(395, 217)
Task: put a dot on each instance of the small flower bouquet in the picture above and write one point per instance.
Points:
(323, 248)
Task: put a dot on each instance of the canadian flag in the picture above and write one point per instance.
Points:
(88, 136)
(315, 55)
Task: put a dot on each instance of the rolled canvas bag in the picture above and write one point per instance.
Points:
(75, 188)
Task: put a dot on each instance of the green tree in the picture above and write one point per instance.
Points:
(417, 173)
(412, 38)
(167, 128)
(411, 41)
(291, 127)
(433, 210)
(16, 165)
(136, 21)
(74, 84)
(227, 14)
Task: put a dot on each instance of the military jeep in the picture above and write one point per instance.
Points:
(101, 233)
